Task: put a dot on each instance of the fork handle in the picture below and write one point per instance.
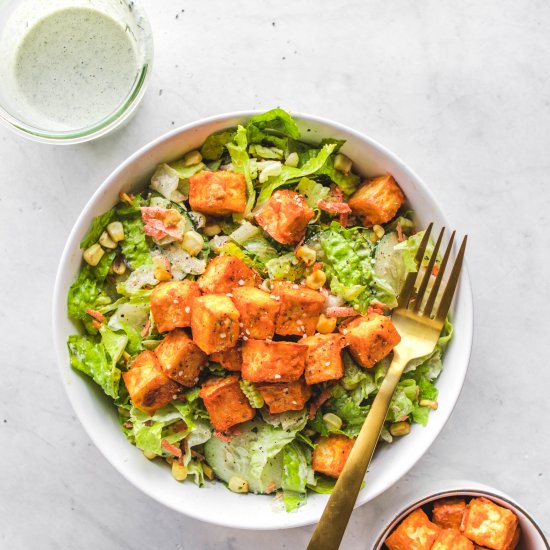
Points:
(332, 525)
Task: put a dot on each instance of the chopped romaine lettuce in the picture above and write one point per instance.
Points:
(99, 224)
(312, 191)
(239, 158)
(285, 267)
(134, 246)
(165, 181)
(214, 146)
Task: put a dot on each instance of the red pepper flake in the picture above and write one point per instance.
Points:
(172, 449)
(96, 315)
(400, 236)
(146, 328)
(341, 312)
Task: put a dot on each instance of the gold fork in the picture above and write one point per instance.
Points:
(419, 331)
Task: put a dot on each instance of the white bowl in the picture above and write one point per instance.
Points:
(215, 503)
(532, 537)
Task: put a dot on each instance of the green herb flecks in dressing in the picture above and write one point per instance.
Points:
(75, 66)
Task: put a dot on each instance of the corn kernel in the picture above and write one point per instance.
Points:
(179, 471)
(325, 325)
(306, 254)
(292, 160)
(211, 230)
(342, 164)
(429, 403)
(149, 455)
(208, 472)
(116, 231)
(316, 279)
(105, 241)
(192, 243)
(238, 485)
(332, 421)
(378, 231)
(93, 254)
(192, 158)
(124, 197)
(398, 429)
(162, 274)
(119, 267)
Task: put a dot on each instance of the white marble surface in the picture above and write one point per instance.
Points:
(457, 89)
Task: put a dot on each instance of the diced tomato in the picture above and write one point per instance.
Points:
(172, 449)
(341, 312)
(161, 222)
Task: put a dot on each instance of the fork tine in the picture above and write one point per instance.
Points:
(419, 296)
(408, 287)
(452, 283)
(435, 289)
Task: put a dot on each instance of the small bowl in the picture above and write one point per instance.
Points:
(532, 536)
(19, 14)
(214, 503)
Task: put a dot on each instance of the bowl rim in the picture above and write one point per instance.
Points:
(59, 302)
(466, 491)
(113, 120)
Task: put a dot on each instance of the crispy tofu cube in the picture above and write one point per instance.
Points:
(330, 454)
(370, 338)
(225, 402)
(377, 200)
(448, 513)
(224, 273)
(258, 311)
(299, 310)
(149, 388)
(452, 539)
(415, 532)
(171, 304)
(217, 193)
(214, 323)
(268, 361)
(291, 396)
(324, 357)
(490, 525)
(180, 358)
(230, 359)
(285, 217)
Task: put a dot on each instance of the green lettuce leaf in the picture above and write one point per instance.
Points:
(90, 357)
(213, 147)
(285, 267)
(99, 224)
(134, 246)
(295, 476)
(312, 191)
(322, 485)
(274, 127)
(289, 173)
(239, 157)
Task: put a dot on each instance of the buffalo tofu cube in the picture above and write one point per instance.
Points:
(268, 361)
(230, 359)
(258, 311)
(448, 513)
(224, 273)
(180, 358)
(171, 304)
(214, 323)
(285, 217)
(330, 454)
(149, 388)
(415, 532)
(225, 402)
(299, 310)
(452, 539)
(285, 397)
(490, 525)
(377, 200)
(217, 193)
(370, 338)
(324, 358)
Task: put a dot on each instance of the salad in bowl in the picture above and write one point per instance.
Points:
(237, 310)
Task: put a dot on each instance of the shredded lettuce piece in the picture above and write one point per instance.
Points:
(214, 145)
(90, 357)
(285, 267)
(99, 224)
(134, 246)
(275, 127)
(268, 153)
(312, 191)
(252, 394)
(289, 173)
(295, 476)
(165, 181)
